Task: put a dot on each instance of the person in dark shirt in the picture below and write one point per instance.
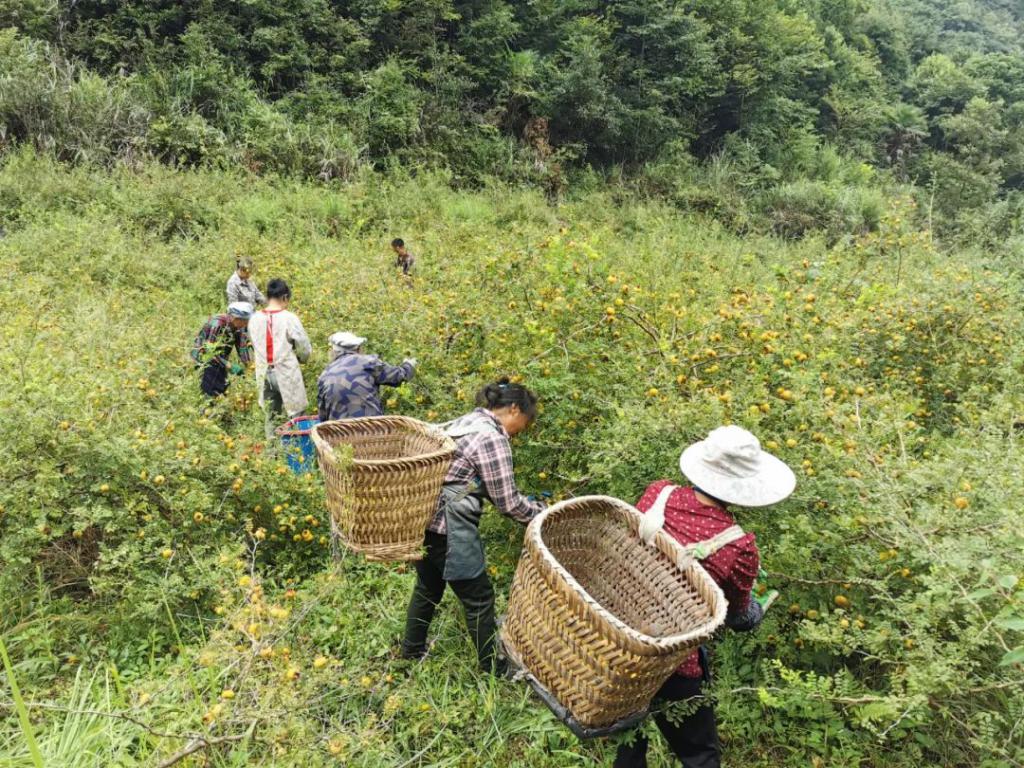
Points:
(349, 388)
(213, 346)
(404, 259)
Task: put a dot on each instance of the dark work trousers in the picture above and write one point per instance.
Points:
(476, 596)
(693, 739)
(214, 381)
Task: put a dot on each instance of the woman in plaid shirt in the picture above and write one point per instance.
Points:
(482, 470)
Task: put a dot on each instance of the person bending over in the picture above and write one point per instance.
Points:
(212, 348)
(350, 385)
(727, 469)
(482, 470)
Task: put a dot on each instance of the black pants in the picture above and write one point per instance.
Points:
(693, 739)
(476, 596)
(214, 381)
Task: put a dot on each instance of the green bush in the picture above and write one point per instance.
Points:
(56, 106)
(146, 540)
(798, 208)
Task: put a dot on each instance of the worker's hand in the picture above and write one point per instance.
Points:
(412, 361)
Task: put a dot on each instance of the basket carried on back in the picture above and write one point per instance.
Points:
(599, 619)
(383, 499)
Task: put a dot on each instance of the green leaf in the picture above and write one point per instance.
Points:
(1016, 656)
(19, 705)
(1015, 623)
(766, 698)
(1009, 581)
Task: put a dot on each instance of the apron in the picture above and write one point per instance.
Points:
(270, 330)
(463, 507)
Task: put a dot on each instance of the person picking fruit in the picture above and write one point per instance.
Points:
(349, 387)
(404, 260)
(727, 469)
(241, 286)
(280, 344)
(482, 470)
(213, 346)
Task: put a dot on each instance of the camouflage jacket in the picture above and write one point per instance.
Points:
(349, 387)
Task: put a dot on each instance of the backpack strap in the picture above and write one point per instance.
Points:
(654, 519)
(708, 547)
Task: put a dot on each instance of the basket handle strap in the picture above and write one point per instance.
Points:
(654, 519)
(708, 547)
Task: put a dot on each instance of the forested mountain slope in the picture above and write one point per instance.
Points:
(708, 99)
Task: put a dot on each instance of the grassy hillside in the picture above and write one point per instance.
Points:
(164, 582)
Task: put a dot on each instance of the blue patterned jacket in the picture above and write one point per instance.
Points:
(349, 387)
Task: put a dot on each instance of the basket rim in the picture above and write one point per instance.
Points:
(669, 546)
(446, 450)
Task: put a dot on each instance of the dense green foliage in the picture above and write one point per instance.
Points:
(154, 557)
(803, 216)
(924, 91)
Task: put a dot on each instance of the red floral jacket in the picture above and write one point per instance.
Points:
(734, 567)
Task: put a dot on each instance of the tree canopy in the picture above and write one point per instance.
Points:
(931, 92)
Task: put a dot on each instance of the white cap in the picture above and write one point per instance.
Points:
(345, 340)
(730, 466)
(240, 309)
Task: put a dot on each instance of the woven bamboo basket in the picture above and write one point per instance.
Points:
(598, 619)
(382, 500)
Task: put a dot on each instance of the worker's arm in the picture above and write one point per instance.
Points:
(196, 352)
(744, 613)
(393, 375)
(745, 620)
(299, 340)
(201, 346)
(321, 399)
(493, 460)
(243, 345)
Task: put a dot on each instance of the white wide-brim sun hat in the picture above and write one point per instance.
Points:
(730, 466)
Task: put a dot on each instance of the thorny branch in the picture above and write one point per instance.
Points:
(197, 744)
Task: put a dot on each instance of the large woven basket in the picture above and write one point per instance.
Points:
(382, 500)
(599, 619)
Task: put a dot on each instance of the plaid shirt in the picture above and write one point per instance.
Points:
(215, 340)
(486, 456)
(734, 567)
